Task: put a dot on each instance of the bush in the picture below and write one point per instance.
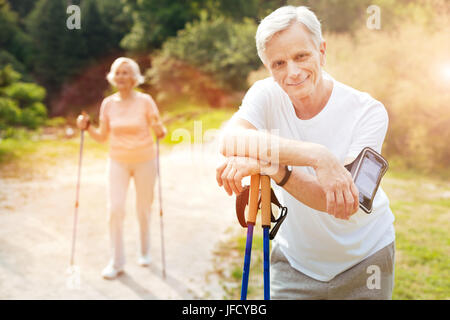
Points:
(209, 57)
(25, 93)
(8, 76)
(20, 102)
(34, 115)
(10, 113)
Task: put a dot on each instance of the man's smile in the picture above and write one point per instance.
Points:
(298, 83)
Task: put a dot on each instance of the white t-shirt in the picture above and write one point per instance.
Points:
(314, 242)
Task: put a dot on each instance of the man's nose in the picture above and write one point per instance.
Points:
(293, 69)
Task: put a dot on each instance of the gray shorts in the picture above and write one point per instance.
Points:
(372, 278)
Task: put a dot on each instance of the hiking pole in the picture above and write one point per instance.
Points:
(72, 269)
(265, 222)
(268, 200)
(253, 210)
(163, 258)
(75, 216)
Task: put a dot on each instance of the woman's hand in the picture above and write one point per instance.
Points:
(83, 121)
(160, 130)
(232, 170)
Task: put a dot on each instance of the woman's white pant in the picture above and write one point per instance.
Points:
(119, 175)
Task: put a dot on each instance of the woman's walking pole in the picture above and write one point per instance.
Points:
(163, 258)
(75, 216)
(74, 273)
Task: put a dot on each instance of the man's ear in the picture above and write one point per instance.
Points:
(323, 50)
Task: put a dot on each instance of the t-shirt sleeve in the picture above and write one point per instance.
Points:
(254, 106)
(370, 130)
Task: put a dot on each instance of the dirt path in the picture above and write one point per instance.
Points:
(36, 215)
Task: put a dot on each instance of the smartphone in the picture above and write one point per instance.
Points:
(367, 170)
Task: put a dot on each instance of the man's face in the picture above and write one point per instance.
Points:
(294, 61)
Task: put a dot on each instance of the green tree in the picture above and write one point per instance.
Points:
(238, 9)
(118, 18)
(95, 32)
(207, 58)
(154, 21)
(22, 7)
(59, 52)
(15, 46)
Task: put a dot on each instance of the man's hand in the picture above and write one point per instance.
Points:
(342, 196)
(232, 170)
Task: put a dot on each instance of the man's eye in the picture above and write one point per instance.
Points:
(278, 64)
(301, 56)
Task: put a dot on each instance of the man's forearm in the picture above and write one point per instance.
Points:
(271, 148)
(302, 186)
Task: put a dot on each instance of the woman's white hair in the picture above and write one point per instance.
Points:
(134, 66)
(283, 18)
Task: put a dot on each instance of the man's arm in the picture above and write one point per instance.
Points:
(332, 190)
(242, 139)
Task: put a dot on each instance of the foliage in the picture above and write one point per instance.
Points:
(20, 102)
(14, 43)
(22, 7)
(95, 31)
(59, 51)
(155, 21)
(118, 19)
(62, 54)
(207, 57)
(237, 9)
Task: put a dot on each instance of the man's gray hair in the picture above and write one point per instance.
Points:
(283, 18)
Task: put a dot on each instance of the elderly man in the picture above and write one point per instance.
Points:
(327, 247)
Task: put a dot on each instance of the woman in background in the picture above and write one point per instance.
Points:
(126, 118)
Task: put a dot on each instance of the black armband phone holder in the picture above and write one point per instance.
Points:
(367, 170)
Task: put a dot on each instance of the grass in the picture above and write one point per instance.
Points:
(229, 259)
(422, 210)
(193, 123)
(28, 155)
(421, 206)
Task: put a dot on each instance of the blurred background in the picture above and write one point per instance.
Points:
(201, 53)
(199, 58)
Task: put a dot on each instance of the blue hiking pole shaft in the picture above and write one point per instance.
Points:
(266, 263)
(248, 254)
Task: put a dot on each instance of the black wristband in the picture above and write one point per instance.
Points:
(286, 177)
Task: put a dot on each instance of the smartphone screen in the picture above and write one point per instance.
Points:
(367, 178)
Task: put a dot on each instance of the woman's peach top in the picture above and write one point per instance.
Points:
(130, 140)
